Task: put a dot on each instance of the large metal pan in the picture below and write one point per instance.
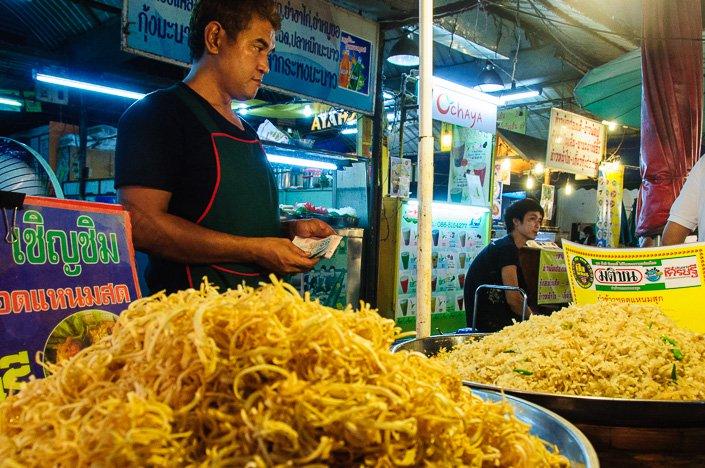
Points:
(583, 409)
(550, 427)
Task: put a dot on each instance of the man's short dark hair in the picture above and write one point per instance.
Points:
(233, 15)
(518, 210)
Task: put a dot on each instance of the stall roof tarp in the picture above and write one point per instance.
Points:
(525, 146)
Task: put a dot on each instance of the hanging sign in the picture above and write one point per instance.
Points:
(65, 276)
(464, 107)
(326, 53)
(157, 29)
(610, 189)
(672, 278)
(513, 119)
(548, 195)
(576, 144)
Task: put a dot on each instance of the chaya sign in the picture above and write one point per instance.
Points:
(464, 107)
(66, 273)
(669, 277)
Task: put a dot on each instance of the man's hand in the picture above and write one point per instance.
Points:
(309, 228)
(281, 256)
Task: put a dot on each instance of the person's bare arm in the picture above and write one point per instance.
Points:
(514, 298)
(158, 232)
(674, 233)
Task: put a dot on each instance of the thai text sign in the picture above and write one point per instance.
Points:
(576, 144)
(157, 29)
(462, 106)
(326, 53)
(610, 183)
(68, 270)
(553, 287)
(672, 278)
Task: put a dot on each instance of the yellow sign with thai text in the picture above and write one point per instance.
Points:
(672, 278)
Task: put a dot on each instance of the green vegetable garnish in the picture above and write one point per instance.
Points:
(668, 340)
(650, 324)
(677, 354)
(674, 374)
(523, 372)
(567, 325)
(509, 351)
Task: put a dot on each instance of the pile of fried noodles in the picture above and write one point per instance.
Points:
(256, 378)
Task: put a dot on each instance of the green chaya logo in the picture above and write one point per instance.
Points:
(582, 271)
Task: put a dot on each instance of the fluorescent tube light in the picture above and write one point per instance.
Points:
(87, 86)
(348, 131)
(465, 90)
(301, 162)
(10, 102)
(517, 96)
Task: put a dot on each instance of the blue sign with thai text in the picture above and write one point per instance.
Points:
(158, 29)
(66, 272)
(326, 53)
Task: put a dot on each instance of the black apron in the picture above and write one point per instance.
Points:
(244, 201)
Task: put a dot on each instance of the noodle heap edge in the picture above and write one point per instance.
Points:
(256, 377)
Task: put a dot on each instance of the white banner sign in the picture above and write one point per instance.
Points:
(576, 144)
(463, 106)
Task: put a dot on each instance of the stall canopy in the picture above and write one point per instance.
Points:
(613, 91)
(522, 150)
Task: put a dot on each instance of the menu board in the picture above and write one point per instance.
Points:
(455, 245)
(66, 273)
(672, 278)
(576, 144)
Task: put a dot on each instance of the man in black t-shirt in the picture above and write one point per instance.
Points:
(498, 264)
(201, 194)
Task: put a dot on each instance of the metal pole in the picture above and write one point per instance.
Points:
(370, 249)
(423, 292)
(83, 149)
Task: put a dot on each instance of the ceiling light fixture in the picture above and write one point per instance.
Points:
(300, 162)
(308, 112)
(405, 53)
(10, 102)
(57, 80)
(568, 188)
(489, 80)
(517, 96)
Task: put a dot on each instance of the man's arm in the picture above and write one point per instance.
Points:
(514, 298)
(674, 233)
(176, 239)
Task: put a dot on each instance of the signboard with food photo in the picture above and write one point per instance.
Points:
(67, 269)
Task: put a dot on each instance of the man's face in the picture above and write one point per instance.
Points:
(244, 62)
(530, 225)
